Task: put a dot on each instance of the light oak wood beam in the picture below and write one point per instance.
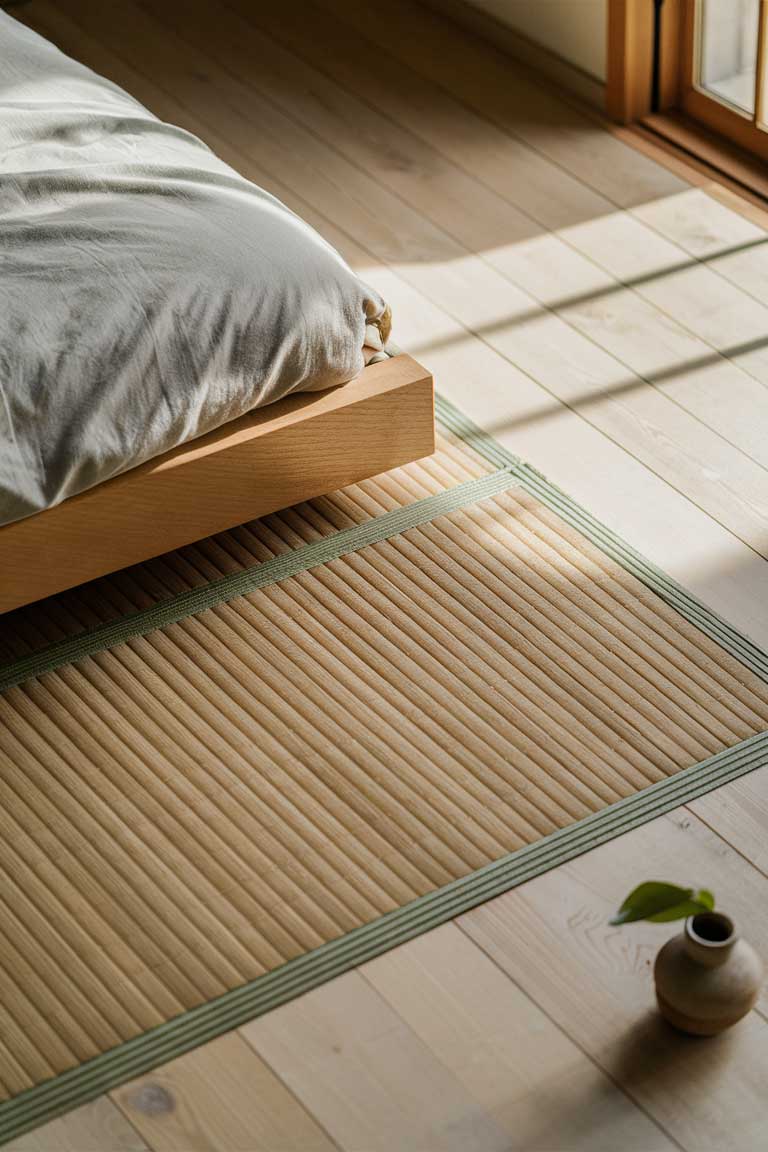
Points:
(293, 450)
(629, 59)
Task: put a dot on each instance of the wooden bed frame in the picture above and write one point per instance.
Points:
(293, 450)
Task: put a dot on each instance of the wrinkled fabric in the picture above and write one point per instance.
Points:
(148, 293)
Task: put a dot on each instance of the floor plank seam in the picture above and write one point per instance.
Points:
(620, 1087)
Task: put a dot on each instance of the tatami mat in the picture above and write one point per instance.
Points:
(189, 810)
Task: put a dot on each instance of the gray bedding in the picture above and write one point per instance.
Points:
(148, 293)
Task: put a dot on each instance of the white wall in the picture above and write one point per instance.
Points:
(574, 29)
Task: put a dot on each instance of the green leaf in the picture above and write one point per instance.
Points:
(678, 911)
(660, 903)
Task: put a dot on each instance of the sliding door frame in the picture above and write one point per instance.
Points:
(740, 128)
(650, 83)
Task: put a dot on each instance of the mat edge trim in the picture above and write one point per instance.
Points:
(166, 1042)
(244, 581)
(380, 528)
(609, 542)
(141, 1054)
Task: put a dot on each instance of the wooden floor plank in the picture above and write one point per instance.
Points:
(689, 372)
(219, 1098)
(526, 178)
(578, 371)
(369, 1080)
(509, 1056)
(530, 111)
(96, 1127)
(414, 138)
(554, 269)
(733, 322)
(703, 264)
(697, 223)
(553, 938)
(739, 814)
(684, 359)
(731, 317)
(747, 268)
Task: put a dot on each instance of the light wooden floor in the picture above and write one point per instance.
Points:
(604, 319)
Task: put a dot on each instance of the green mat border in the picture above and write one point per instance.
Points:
(240, 583)
(655, 578)
(199, 1025)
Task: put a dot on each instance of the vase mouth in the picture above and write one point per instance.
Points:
(710, 929)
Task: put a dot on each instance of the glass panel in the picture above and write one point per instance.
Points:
(727, 55)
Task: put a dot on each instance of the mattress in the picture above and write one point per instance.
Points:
(148, 292)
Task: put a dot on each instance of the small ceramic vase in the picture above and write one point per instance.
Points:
(707, 978)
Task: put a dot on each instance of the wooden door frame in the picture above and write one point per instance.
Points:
(630, 97)
(630, 58)
(714, 114)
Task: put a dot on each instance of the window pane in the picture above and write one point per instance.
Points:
(728, 50)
